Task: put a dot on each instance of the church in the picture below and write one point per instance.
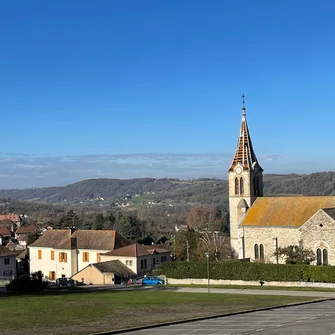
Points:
(259, 225)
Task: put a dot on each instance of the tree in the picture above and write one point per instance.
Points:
(99, 222)
(109, 221)
(71, 219)
(205, 218)
(217, 245)
(32, 237)
(130, 227)
(294, 254)
(186, 243)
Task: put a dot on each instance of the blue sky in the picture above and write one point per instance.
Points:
(123, 79)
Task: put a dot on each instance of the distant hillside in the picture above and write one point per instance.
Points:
(168, 191)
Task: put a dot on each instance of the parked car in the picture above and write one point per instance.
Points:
(64, 282)
(152, 280)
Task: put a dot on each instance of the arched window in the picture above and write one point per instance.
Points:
(256, 251)
(261, 251)
(318, 257)
(236, 186)
(325, 257)
(241, 186)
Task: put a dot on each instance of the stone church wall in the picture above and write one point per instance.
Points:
(319, 232)
(266, 236)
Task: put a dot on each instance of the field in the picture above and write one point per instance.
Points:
(92, 312)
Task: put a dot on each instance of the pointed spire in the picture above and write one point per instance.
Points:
(244, 154)
(243, 107)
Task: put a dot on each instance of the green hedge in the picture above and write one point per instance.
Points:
(236, 270)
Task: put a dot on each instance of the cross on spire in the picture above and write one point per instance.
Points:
(243, 107)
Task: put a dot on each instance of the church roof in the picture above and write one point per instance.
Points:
(285, 211)
(244, 154)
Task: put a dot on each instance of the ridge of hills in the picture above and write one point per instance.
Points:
(141, 191)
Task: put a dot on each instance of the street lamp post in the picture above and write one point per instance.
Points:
(207, 256)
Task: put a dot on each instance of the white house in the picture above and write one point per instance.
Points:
(61, 253)
(7, 263)
(139, 258)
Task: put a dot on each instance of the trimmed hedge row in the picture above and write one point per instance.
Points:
(236, 270)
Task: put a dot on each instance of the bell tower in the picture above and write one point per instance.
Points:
(245, 181)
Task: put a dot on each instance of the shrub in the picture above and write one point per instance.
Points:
(235, 270)
(27, 284)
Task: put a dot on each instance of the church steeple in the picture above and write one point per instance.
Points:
(245, 182)
(244, 154)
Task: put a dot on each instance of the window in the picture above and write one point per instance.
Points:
(52, 255)
(318, 257)
(39, 254)
(86, 257)
(241, 186)
(98, 258)
(7, 261)
(261, 252)
(324, 257)
(52, 275)
(256, 251)
(142, 264)
(164, 258)
(236, 186)
(145, 264)
(129, 262)
(63, 257)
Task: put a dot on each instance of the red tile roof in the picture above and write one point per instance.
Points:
(4, 232)
(133, 250)
(25, 230)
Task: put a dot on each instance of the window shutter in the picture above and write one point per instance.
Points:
(39, 254)
(52, 254)
(98, 258)
(65, 257)
(60, 257)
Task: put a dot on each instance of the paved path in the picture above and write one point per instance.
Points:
(256, 292)
(316, 318)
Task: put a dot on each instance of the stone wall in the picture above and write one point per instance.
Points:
(213, 282)
(319, 233)
(266, 236)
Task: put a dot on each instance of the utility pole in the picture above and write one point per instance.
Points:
(187, 251)
(207, 256)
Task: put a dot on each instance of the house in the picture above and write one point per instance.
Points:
(110, 272)
(91, 243)
(55, 254)
(260, 225)
(62, 253)
(22, 239)
(4, 235)
(138, 258)
(7, 263)
(13, 220)
(25, 231)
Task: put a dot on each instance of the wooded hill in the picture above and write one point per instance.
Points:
(171, 191)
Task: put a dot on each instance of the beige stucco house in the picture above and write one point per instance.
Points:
(62, 253)
(104, 273)
(260, 225)
(139, 258)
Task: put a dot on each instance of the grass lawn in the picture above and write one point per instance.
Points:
(91, 312)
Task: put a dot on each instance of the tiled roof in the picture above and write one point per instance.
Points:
(133, 250)
(163, 247)
(25, 230)
(55, 238)
(99, 239)
(9, 216)
(4, 231)
(115, 267)
(244, 154)
(285, 211)
(7, 252)
(22, 238)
